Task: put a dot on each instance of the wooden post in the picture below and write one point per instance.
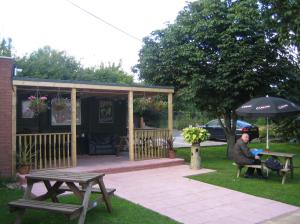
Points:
(13, 130)
(73, 127)
(130, 126)
(170, 114)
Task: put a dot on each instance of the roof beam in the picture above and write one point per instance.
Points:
(92, 86)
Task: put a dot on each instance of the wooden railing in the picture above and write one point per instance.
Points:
(46, 150)
(150, 143)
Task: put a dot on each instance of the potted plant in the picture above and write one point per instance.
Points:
(171, 150)
(59, 103)
(24, 160)
(38, 104)
(195, 136)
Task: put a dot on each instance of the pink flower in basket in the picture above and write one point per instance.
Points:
(32, 98)
(38, 104)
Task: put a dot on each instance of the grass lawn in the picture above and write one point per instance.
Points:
(215, 158)
(123, 212)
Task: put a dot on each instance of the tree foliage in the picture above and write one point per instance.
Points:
(47, 63)
(288, 128)
(111, 73)
(6, 47)
(218, 54)
(283, 16)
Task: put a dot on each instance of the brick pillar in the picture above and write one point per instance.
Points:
(6, 69)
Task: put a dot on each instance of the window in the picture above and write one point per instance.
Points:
(26, 111)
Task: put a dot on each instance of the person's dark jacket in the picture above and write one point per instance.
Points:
(242, 154)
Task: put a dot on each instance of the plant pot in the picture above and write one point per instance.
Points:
(171, 154)
(38, 108)
(195, 157)
(24, 169)
(59, 107)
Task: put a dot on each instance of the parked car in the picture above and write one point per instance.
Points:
(217, 133)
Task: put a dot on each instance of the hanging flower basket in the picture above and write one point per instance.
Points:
(143, 104)
(59, 103)
(158, 105)
(148, 103)
(38, 104)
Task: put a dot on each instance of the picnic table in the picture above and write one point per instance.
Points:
(58, 182)
(288, 162)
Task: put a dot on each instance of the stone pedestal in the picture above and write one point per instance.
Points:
(195, 157)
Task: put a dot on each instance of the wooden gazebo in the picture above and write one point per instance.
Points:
(138, 147)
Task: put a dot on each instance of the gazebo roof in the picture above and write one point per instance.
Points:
(94, 85)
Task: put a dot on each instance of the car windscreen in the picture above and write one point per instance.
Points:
(213, 123)
(242, 124)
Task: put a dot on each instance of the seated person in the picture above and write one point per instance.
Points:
(243, 156)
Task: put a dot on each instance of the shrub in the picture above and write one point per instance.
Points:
(195, 135)
(287, 129)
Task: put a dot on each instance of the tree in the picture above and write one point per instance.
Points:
(288, 128)
(6, 47)
(218, 54)
(47, 63)
(111, 73)
(283, 18)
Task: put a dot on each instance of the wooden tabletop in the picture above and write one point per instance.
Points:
(54, 175)
(279, 154)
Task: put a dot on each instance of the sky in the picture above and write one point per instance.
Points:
(33, 24)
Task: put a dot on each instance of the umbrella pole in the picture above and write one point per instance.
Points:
(267, 146)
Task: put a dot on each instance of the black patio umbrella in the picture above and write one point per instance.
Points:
(268, 107)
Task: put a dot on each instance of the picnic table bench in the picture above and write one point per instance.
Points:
(288, 166)
(71, 211)
(240, 167)
(85, 180)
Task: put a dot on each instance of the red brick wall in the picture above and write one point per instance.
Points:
(6, 68)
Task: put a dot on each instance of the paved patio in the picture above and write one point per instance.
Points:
(168, 192)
